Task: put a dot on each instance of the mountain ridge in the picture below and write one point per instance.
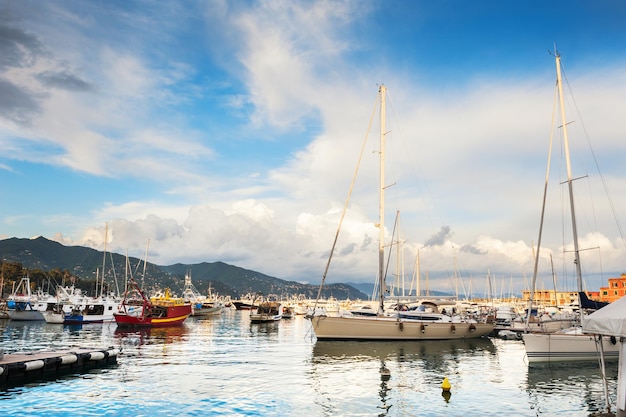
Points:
(40, 256)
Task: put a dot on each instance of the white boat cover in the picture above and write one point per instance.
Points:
(608, 321)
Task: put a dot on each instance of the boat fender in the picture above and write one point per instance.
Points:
(96, 356)
(401, 326)
(472, 327)
(613, 340)
(32, 365)
(422, 328)
(453, 328)
(68, 359)
(1, 370)
(111, 353)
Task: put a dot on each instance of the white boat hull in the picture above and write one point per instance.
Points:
(389, 328)
(25, 315)
(53, 317)
(207, 311)
(265, 317)
(563, 347)
(548, 326)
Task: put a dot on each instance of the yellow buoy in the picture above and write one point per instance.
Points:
(445, 385)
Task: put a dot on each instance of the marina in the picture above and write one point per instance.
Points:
(227, 366)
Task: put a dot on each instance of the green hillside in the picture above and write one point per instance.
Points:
(50, 263)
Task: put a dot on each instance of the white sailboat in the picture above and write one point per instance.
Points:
(391, 326)
(568, 344)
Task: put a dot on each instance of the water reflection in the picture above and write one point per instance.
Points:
(261, 329)
(226, 366)
(392, 372)
(385, 376)
(151, 336)
(430, 351)
(580, 383)
(18, 336)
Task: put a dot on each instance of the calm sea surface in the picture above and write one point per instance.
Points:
(226, 366)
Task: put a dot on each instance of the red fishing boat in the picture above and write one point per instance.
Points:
(137, 310)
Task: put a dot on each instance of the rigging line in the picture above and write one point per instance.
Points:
(412, 166)
(593, 211)
(543, 208)
(393, 233)
(418, 176)
(345, 206)
(597, 165)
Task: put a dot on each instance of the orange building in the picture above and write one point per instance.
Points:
(558, 298)
(615, 290)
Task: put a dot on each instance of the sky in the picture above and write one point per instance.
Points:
(203, 131)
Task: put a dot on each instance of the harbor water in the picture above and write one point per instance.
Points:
(227, 366)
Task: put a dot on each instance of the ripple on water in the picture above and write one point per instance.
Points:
(225, 366)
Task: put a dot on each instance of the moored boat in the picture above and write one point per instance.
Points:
(137, 310)
(97, 310)
(202, 305)
(568, 344)
(23, 305)
(401, 325)
(267, 311)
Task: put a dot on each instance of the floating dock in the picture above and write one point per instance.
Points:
(16, 368)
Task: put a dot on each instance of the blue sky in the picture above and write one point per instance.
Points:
(214, 130)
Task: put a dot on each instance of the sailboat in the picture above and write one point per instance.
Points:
(391, 326)
(568, 344)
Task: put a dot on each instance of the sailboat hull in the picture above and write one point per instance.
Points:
(389, 328)
(564, 347)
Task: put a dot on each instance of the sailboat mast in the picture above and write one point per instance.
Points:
(569, 174)
(381, 206)
(104, 257)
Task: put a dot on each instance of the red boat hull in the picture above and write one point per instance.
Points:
(175, 316)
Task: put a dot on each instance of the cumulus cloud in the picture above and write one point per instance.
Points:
(439, 238)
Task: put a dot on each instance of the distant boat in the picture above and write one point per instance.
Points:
(65, 300)
(267, 311)
(23, 305)
(137, 310)
(202, 305)
(247, 302)
(392, 326)
(567, 344)
(288, 312)
(96, 310)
